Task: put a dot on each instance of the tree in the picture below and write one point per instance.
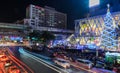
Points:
(47, 36)
(41, 37)
(109, 41)
(35, 35)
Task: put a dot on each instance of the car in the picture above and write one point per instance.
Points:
(84, 63)
(1, 71)
(100, 64)
(2, 64)
(1, 55)
(61, 62)
(4, 58)
(8, 63)
(13, 69)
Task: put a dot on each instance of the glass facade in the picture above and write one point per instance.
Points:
(88, 30)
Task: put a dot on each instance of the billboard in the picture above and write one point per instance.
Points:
(93, 3)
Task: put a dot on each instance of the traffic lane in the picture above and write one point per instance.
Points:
(10, 62)
(69, 70)
(75, 70)
(72, 69)
(36, 66)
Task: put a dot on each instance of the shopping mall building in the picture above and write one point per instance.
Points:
(12, 33)
(89, 30)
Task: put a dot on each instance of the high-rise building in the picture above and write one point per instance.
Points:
(45, 17)
(35, 16)
(54, 18)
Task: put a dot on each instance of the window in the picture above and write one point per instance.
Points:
(80, 61)
(32, 23)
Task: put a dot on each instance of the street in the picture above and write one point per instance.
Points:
(60, 36)
(42, 64)
(10, 64)
(36, 65)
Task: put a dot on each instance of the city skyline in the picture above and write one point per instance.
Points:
(17, 9)
(14, 10)
(34, 38)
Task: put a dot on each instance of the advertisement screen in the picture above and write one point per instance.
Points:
(93, 3)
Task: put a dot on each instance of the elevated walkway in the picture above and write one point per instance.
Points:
(13, 26)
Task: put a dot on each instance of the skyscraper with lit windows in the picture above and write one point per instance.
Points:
(45, 17)
(35, 16)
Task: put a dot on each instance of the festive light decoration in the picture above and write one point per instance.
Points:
(108, 35)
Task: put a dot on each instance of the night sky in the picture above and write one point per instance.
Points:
(12, 10)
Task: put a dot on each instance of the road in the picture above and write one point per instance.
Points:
(39, 65)
(10, 64)
(50, 62)
(36, 65)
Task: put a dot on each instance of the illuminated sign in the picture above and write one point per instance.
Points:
(93, 3)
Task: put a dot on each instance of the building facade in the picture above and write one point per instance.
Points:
(89, 30)
(12, 33)
(47, 19)
(54, 18)
(37, 16)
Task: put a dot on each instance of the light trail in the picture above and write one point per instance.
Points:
(39, 60)
(3, 70)
(67, 61)
(21, 50)
(64, 70)
(83, 68)
(19, 62)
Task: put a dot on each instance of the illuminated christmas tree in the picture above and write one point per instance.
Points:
(109, 41)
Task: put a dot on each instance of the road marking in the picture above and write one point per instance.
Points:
(38, 59)
(48, 63)
(18, 61)
(83, 68)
